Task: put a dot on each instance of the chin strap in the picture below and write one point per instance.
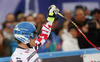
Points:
(28, 45)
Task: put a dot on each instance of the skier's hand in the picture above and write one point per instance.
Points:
(32, 42)
(53, 10)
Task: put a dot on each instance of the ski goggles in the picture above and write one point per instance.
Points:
(33, 35)
(11, 26)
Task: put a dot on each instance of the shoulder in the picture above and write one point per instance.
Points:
(16, 57)
(14, 54)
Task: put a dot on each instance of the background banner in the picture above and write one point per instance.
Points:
(91, 57)
(64, 59)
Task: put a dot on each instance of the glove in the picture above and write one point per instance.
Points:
(52, 13)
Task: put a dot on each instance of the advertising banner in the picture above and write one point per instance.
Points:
(71, 6)
(91, 57)
(64, 59)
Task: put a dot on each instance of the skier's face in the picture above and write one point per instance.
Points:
(32, 42)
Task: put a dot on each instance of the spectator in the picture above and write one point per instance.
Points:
(21, 17)
(86, 11)
(96, 14)
(79, 7)
(40, 18)
(92, 31)
(55, 40)
(55, 27)
(67, 14)
(5, 49)
(64, 27)
(70, 42)
(8, 30)
(30, 19)
(79, 18)
(10, 17)
(39, 21)
(53, 43)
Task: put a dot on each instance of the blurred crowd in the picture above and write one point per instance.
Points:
(63, 37)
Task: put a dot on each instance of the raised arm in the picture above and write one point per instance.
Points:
(46, 29)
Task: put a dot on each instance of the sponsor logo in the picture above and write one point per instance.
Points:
(24, 29)
(95, 61)
(26, 52)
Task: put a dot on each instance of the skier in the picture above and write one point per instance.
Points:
(28, 41)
